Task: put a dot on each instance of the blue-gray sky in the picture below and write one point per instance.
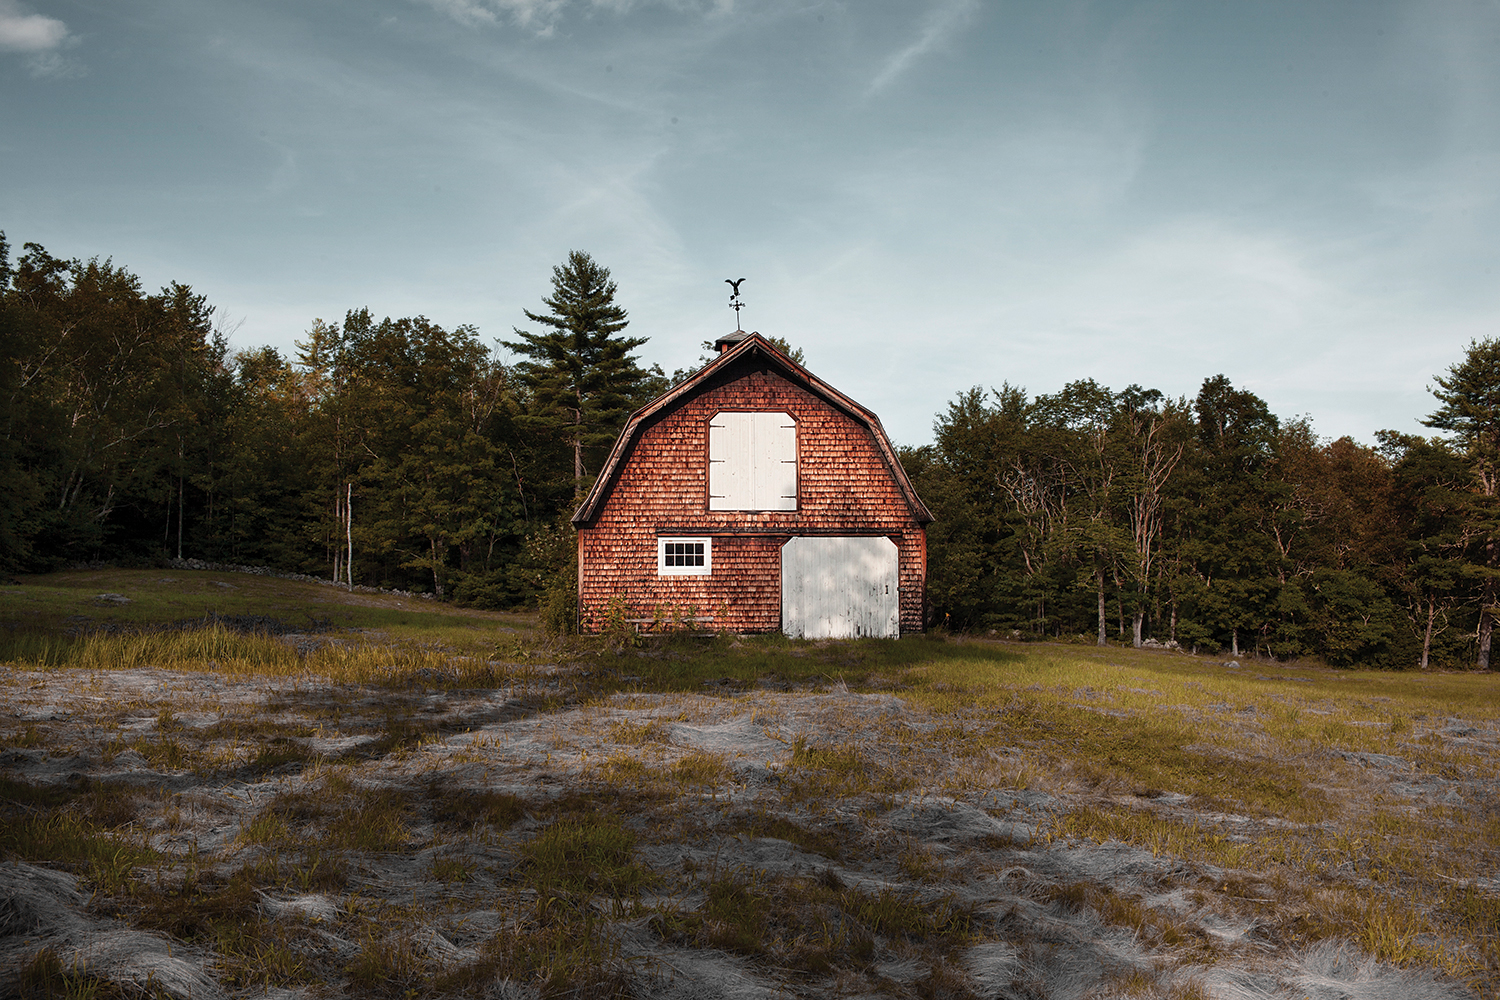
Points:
(923, 196)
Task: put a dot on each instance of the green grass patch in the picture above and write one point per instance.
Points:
(623, 768)
(1162, 836)
(699, 769)
(561, 948)
(69, 599)
(631, 733)
(388, 965)
(66, 839)
(72, 825)
(267, 828)
(762, 824)
(835, 771)
(375, 821)
(815, 925)
(590, 854)
(25, 739)
(465, 809)
(451, 870)
(225, 915)
(46, 975)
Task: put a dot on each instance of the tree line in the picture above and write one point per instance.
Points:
(397, 453)
(388, 452)
(1211, 524)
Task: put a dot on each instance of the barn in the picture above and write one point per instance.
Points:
(754, 497)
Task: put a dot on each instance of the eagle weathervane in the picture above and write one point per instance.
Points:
(735, 302)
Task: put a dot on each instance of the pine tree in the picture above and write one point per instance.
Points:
(580, 374)
(1470, 395)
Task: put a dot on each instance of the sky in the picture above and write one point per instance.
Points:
(923, 196)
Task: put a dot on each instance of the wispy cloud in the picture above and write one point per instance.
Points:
(463, 11)
(40, 37)
(535, 15)
(941, 21)
(542, 16)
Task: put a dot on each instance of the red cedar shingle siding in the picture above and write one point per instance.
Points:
(844, 486)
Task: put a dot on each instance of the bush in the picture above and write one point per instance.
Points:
(559, 607)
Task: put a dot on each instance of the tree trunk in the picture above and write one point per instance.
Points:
(181, 501)
(578, 444)
(1427, 635)
(1140, 617)
(1486, 627)
(338, 520)
(1103, 622)
(437, 582)
(1234, 643)
(349, 535)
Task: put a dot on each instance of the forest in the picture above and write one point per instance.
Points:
(397, 453)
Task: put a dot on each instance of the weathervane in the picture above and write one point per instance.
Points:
(734, 301)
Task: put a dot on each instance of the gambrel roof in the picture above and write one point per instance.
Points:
(752, 353)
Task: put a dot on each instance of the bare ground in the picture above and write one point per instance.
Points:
(298, 838)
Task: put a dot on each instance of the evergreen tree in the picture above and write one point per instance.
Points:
(580, 375)
(984, 556)
(1232, 545)
(1430, 497)
(1470, 394)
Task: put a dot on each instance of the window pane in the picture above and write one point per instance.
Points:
(690, 557)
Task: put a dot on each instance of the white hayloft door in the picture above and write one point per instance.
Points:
(840, 588)
(752, 461)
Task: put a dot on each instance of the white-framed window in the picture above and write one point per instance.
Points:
(684, 556)
(752, 461)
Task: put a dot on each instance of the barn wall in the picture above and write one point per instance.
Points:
(843, 485)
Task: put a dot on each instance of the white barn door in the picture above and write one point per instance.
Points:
(840, 588)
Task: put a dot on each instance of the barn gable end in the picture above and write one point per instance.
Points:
(652, 532)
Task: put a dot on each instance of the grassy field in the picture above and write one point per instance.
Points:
(298, 788)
